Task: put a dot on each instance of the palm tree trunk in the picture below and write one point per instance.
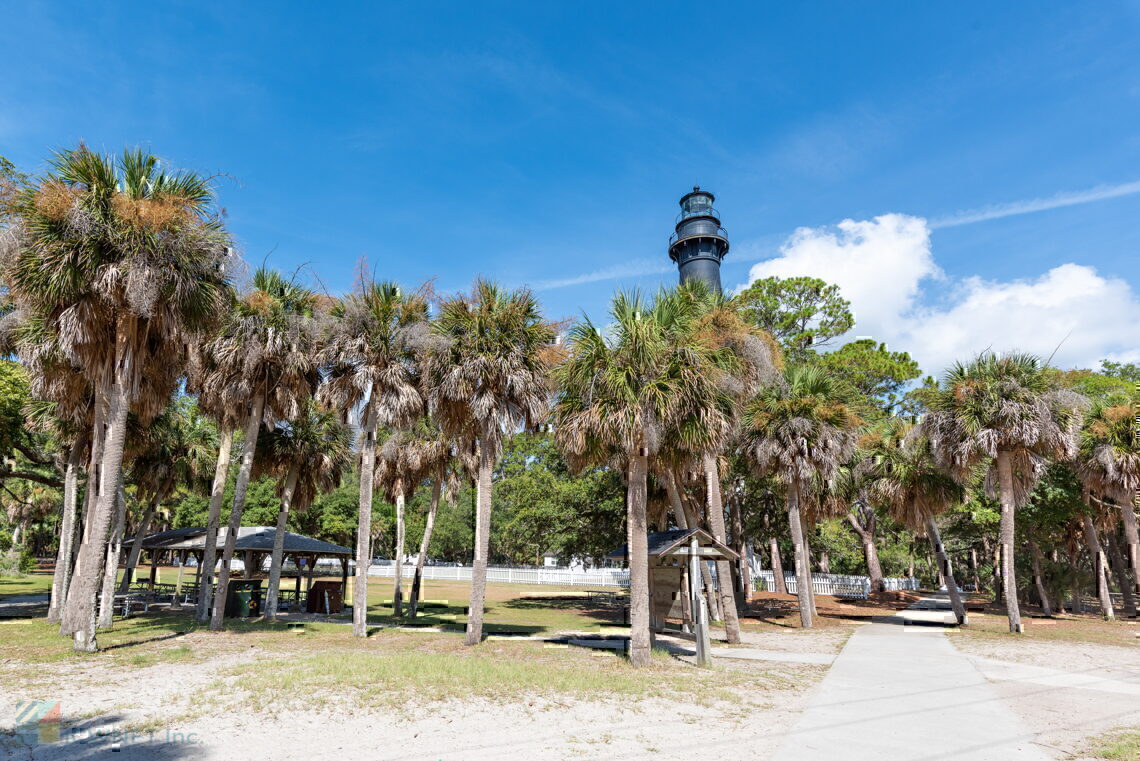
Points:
(640, 640)
(1009, 577)
(1093, 542)
(482, 546)
(948, 571)
(1039, 580)
(723, 567)
(79, 610)
(743, 570)
(779, 585)
(249, 446)
(111, 565)
(807, 560)
(974, 569)
(1131, 538)
(1116, 559)
(803, 574)
(364, 526)
(398, 561)
(210, 553)
(136, 546)
(278, 556)
(425, 542)
(61, 574)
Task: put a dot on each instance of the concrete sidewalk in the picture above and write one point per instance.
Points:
(899, 691)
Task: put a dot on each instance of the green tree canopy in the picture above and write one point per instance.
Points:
(874, 371)
(802, 313)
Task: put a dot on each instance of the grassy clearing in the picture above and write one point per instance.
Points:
(1119, 745)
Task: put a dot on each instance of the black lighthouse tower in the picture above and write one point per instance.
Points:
(700, 242)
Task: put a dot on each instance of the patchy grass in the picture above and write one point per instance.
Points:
(398, 669)
(1119, 745)
(1066, 628)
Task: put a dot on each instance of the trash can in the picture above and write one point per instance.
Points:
(243, 598)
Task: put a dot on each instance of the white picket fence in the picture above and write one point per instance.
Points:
(855, 587)
(568, 577)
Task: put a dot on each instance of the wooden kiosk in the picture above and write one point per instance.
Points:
(676, 593)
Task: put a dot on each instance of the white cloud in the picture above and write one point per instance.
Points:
(883, 265)
(878, 265)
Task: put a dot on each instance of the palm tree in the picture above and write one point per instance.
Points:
(1005, 411)
(487, 376)
(1108, 461)
(647, 387)
(264, 353)
(127, 263)
(902, 475)
(372, 351)
(800, 432)
(308, 456)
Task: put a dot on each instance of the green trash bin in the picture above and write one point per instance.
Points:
(243, 598)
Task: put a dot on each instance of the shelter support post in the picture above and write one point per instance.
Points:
(700, 610)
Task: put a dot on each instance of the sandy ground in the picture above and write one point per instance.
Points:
(150, 713)
(1064, 691)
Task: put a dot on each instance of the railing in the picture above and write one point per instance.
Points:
(701, 232)
(568, 577)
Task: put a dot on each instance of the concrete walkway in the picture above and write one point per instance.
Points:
(900, 691)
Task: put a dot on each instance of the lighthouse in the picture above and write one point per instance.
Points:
(699, 243)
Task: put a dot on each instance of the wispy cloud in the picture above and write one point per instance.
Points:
(632, 268)
(1071, 198)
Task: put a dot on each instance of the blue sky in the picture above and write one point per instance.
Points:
(548, 143)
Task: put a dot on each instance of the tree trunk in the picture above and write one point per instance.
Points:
(210, 553)
(249, 446)
(744, 572)
(723, 567)
(824, 562)
(947, 569)
(482, 546)
(640, 640)
(1009, 576)
(803, 574)
(61, 574)
(1118, 568)
(79, 610)
(779, 585)
(807, 559)
(1101, 576)
(425, 542)
(870, 551)
(398, 580)
(1075, 605)
(136, 546)
(111, 565)
(364, 527)
(277, 558)
(974, 569)
(1039, 580)
(1131, 538)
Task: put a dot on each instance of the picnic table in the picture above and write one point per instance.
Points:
(604, 596)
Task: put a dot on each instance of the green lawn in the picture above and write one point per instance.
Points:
(38, 582)
(1119, 745)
